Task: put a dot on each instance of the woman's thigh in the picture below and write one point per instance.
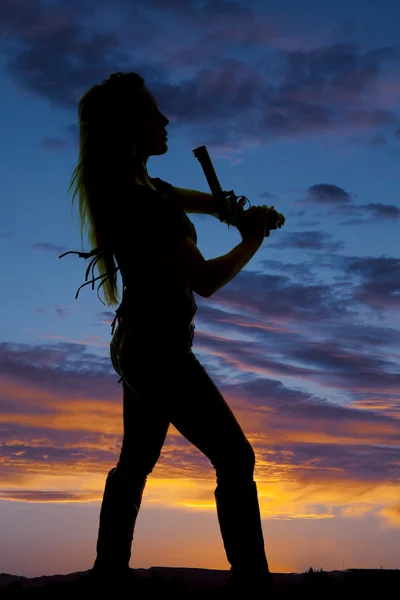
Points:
(177, 389)
(144, 432)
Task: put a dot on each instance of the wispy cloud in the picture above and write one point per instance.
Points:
(47, 247)
(318, 403)
(291, 90)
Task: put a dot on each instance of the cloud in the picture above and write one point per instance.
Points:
(47, 247)
(310, 241)
(107, 316)
(379, 140)
(61, 414)
(379, 286)
(382, 211)
(267, 195)
(327, 193)
(337, 202)
(282, 311)
(55, 54)
(392, 513)
(46, 496)
(309, 367)
(69, 366)
(54, 143)
(316, 409)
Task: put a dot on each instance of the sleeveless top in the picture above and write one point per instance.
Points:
(151, 298)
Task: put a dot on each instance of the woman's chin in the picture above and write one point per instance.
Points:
(161, 148)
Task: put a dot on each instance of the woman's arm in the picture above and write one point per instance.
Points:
(193, 201)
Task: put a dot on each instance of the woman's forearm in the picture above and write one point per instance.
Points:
(221, 270)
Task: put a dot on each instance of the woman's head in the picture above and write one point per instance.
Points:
(124, 111)
(120, 126)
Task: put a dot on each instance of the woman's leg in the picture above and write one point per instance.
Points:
(143, 438)
(193, 404)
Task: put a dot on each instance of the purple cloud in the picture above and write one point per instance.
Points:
(327, 193)
(332, 463)
(52, 248)
(382, 211)
(275, 314)
(318, 387)
(46, 496)
(54, 143)
(379, 140)
(287, 93)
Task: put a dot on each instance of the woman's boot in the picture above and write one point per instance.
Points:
(240, 523)
(119, 510)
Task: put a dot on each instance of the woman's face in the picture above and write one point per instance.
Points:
(149, 124)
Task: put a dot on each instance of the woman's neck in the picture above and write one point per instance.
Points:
(146, 183)
(140, 174)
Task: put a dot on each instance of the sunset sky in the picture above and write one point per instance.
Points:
(298, 104)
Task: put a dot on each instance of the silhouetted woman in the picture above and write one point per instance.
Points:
(140, 221)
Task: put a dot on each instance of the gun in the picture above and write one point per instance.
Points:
(229, 206)
(227, 203)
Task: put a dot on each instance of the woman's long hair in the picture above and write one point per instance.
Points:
(103, 174)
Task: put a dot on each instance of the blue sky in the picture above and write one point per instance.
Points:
(298, 105)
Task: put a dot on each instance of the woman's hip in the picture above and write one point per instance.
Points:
(133, 345)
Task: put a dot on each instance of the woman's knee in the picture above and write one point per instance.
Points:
(133, 467)
(247, 459)
(127, 473)
(236, 464)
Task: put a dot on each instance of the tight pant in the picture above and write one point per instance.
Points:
(169, 385)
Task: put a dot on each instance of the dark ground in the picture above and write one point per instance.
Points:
(208, 584)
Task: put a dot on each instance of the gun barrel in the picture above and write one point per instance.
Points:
(201, 153)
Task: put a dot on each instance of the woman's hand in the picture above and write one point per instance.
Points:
(271, 218)
(252, 224)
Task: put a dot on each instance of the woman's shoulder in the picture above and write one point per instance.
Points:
(157, 188)
(161, 184)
